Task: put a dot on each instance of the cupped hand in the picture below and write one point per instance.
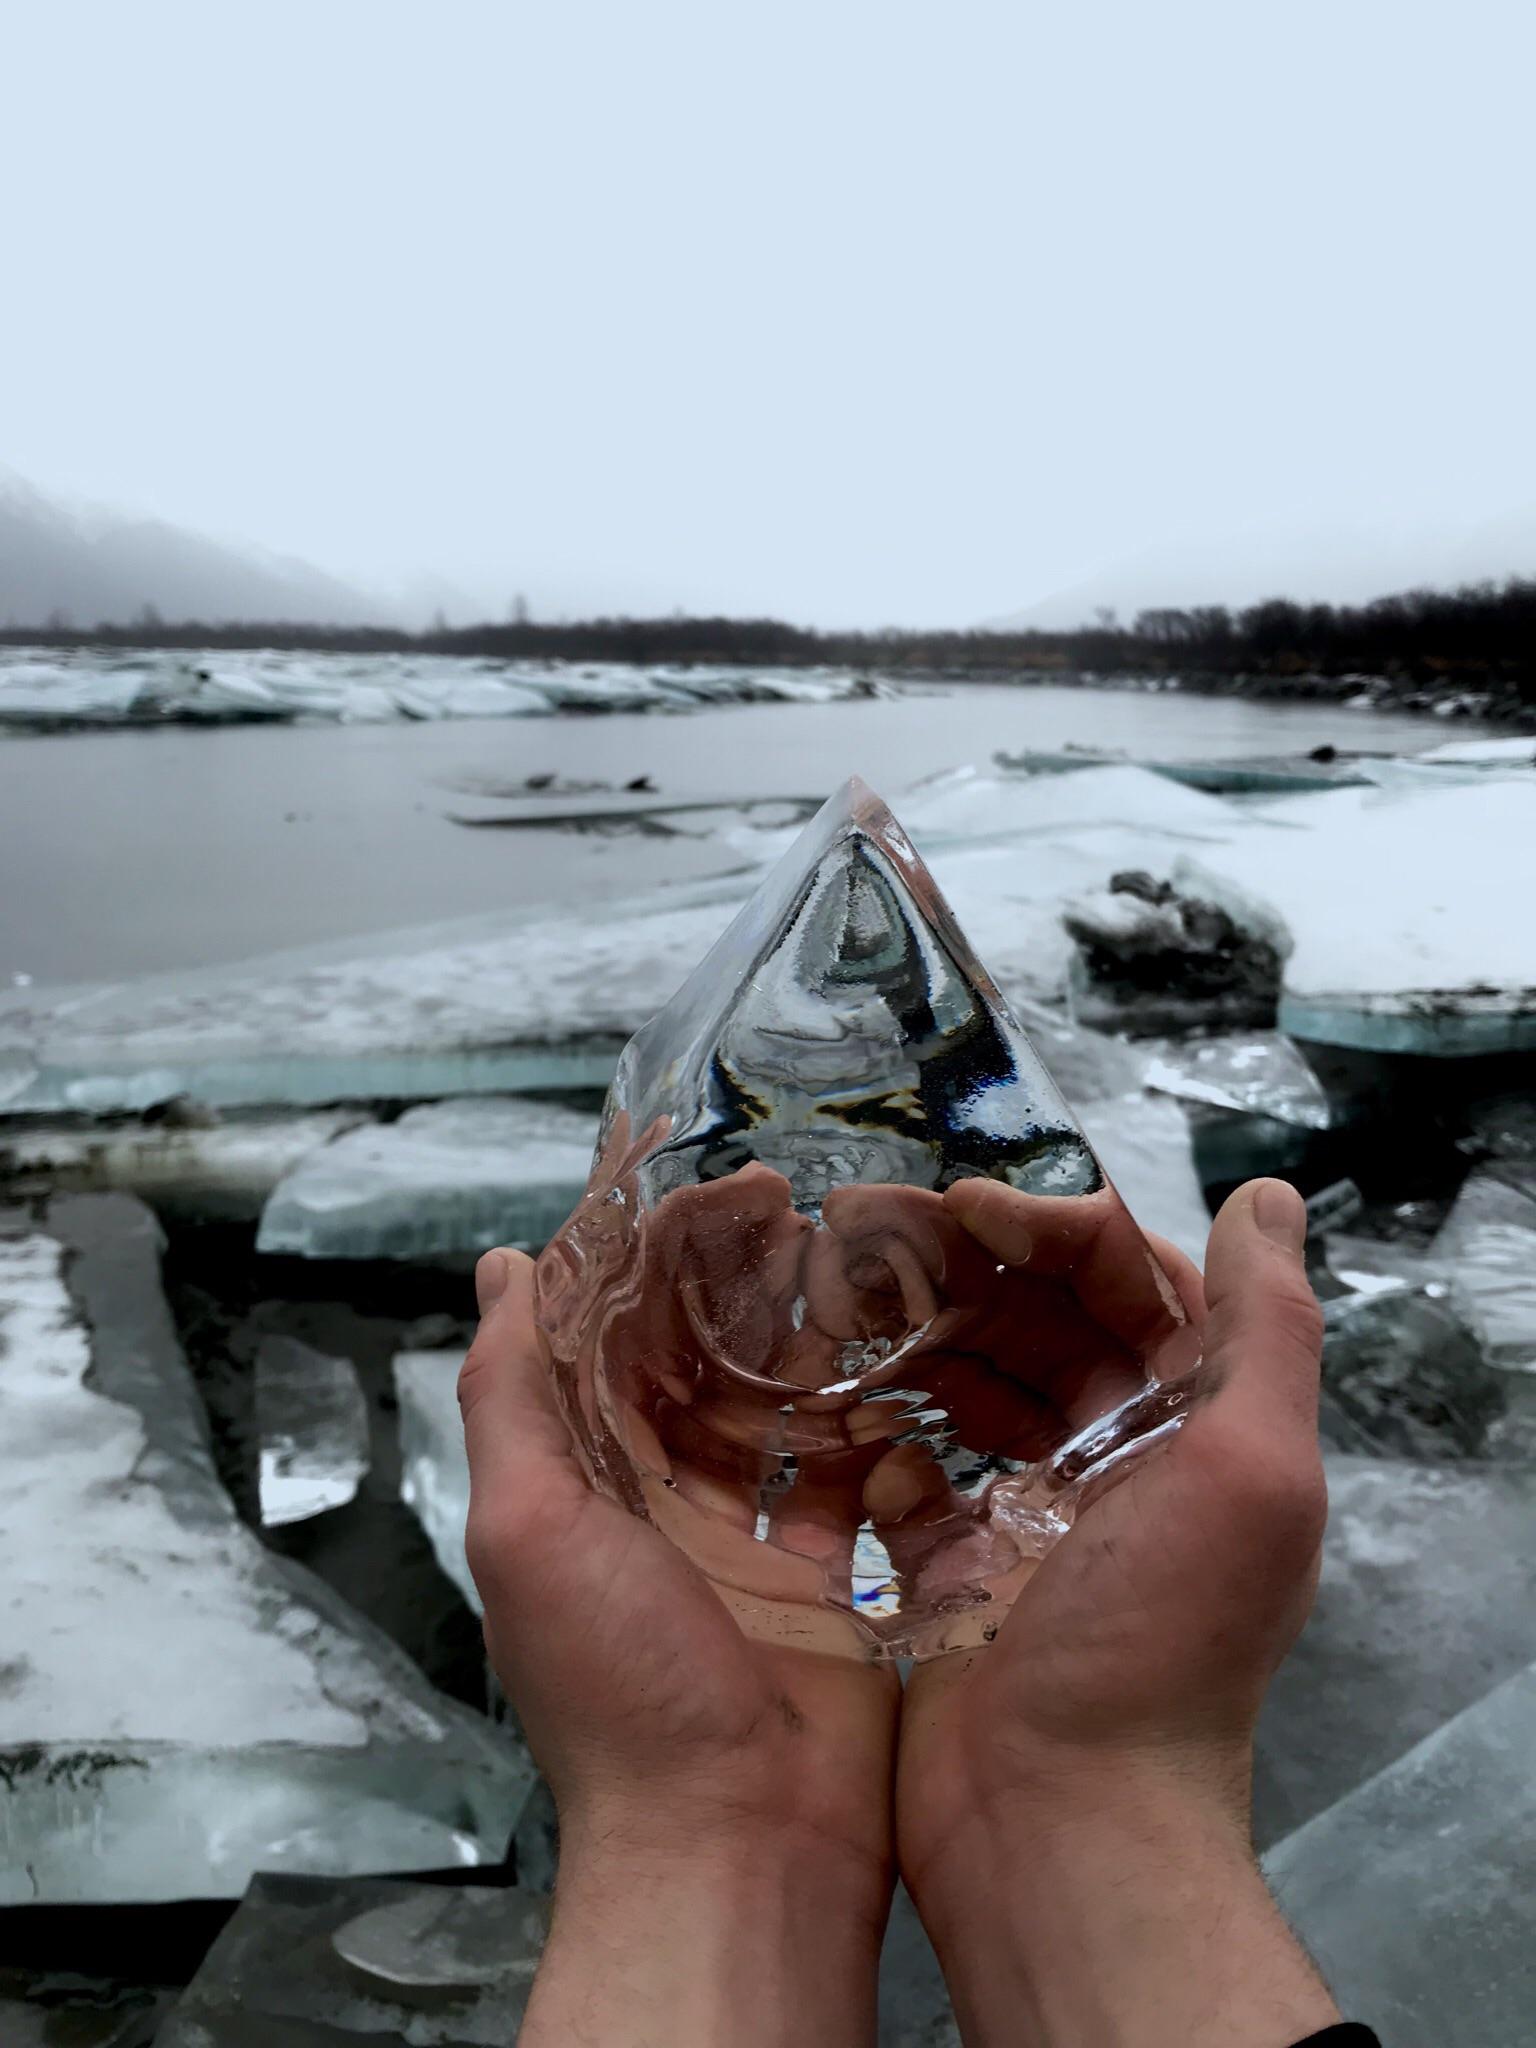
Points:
(664, 1731)
(1139, 1652)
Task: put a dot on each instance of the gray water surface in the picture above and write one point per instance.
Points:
(127, 853)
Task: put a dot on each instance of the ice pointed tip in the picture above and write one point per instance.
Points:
(860, 805)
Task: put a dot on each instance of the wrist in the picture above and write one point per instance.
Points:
(1138, 1916)
(665, 1844)
(740, 1935)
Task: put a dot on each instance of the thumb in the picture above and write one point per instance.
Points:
(505, 1395)
(1264, 1334)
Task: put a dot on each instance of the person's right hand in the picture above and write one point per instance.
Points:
(1073, 1801)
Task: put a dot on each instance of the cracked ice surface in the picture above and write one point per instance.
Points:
(449, 1178)
(180, 1706)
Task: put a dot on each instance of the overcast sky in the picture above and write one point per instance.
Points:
(846, 311)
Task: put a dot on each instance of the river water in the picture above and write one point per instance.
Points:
(131, 852)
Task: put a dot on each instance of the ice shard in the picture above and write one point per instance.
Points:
(434, 1469)
(772, 1332)
(312, 1419)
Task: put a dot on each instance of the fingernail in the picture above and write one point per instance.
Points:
(1281, 1215)
(491, 1277)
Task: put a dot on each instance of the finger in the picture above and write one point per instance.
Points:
(1092, 1242)
(505, 1394)
(1265, 1329)
(1187, 1280)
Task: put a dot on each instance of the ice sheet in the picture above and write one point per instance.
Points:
(182, 1706)
(1415, 1893)
(452, 1177)
(1426, 1600)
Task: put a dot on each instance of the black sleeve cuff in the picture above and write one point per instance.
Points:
(1349, 2035)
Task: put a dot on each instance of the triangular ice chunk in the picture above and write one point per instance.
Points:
(776, 1337)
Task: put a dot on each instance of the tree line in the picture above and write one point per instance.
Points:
(1480, 639)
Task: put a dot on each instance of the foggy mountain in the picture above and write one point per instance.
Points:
(88, 567)
(1316, 565)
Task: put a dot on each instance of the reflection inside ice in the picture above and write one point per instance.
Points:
(849, 1309)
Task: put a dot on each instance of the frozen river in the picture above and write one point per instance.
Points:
(135, 851)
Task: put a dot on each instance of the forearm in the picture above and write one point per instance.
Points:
(1147, 1925)
(742, 1943)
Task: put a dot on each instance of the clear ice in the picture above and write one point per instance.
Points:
(312, 1419)
(771, 1333)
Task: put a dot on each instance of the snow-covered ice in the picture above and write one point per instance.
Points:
(312, 1420)
(449, 1178)
(45, 689)
(1407, 910)
(182, 1707)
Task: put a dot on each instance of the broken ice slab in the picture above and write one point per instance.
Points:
(394, 1965)
(1257, 1073)
(1417, 1892)
(1134, 805)
(1238, 775)
(183, 1707)
(1488, 1249)
(1403, 1376)
(198, 1167)
(312, 1422)
(450, 1178)
(434, 1470)
(1427, 1599)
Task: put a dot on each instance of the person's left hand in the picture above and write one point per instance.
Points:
(691, 1766)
